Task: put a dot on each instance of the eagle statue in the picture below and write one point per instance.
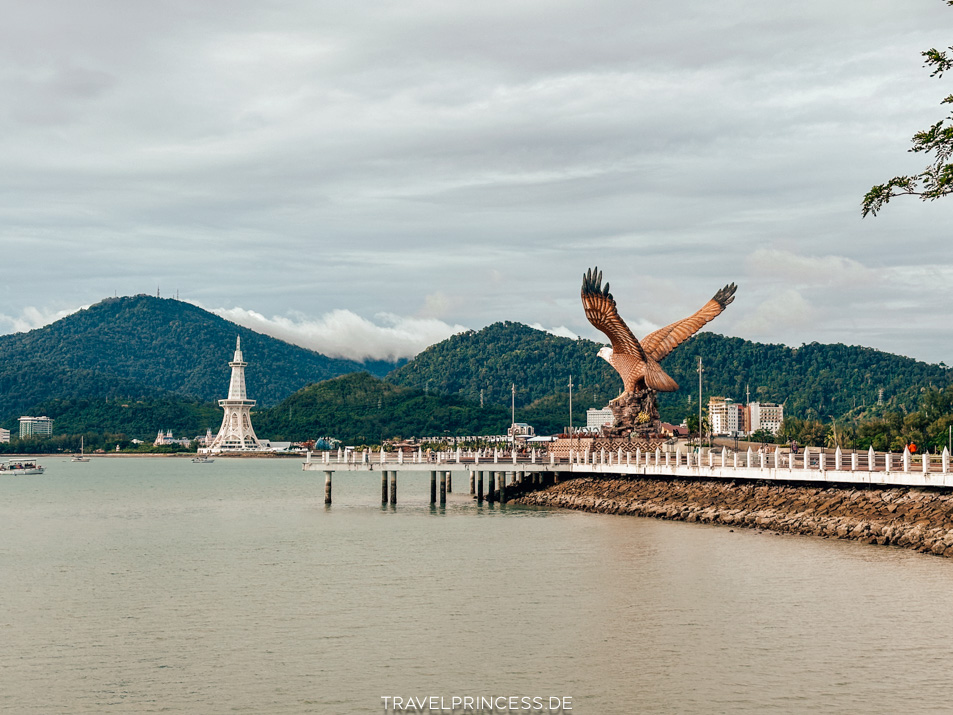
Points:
(638, 363)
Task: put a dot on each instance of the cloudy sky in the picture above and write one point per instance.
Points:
(368, 178)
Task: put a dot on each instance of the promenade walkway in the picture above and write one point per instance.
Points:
(811, 465)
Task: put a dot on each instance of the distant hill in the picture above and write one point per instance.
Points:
(360, 408)
(139, 364)
(813, 381)
(143, 347)
(503, 354)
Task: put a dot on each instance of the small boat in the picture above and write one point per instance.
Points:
(80, 457)
(202, 459)
(15, 467)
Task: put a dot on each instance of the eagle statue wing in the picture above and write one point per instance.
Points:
(602, 313)
(627, 357)
(660, 343)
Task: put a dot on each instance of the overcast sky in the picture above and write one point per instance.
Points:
(368, 178)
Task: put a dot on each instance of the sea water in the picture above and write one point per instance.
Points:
(157, 585)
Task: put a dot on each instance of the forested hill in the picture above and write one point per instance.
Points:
(813, 380)
(504, 354)
(140, 346)
(360, 408)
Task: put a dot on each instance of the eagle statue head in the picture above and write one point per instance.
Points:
(605, 353)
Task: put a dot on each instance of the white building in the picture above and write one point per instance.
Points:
(39, 426)
(520, 429)
(4, 435)
(236, 433)
(725, 416)
(767, 416)
(597, 418)
(165, 439)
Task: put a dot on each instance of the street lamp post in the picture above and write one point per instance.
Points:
(513, 418)
(570, 406)
(700, 371)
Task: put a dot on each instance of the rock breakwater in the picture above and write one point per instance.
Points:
(899, 516)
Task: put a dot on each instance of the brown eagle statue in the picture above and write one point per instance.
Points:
(638, 363)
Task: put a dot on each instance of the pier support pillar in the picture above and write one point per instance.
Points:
(472, 483)
(491, 488)
(480, 487)
(449, 482)
(383, 487)
(443, 488)
(433, 487)
(393, 487)
(327, 487)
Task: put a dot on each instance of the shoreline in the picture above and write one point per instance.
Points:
(909, 517)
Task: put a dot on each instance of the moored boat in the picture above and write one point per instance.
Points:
(201, 459)
(20, 467)
(81, 457)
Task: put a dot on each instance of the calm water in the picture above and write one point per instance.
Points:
(156, 585)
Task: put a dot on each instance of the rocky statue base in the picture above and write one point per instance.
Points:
(635, 416)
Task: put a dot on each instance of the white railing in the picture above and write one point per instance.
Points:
(811, 464)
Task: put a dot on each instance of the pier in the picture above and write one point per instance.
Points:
(536, 469)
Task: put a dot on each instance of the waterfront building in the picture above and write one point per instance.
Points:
(165, 439)
(725, 416)
(35, 426)
(236, 433)
(597, 418)
(520, 430)
(4, 435)
(670, 430)
(765, 415)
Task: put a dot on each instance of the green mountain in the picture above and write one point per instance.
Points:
(360, 408)
(142, 347)
(489, 362)
(139, 364)
(812, 381)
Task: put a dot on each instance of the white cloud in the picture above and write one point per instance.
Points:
(344, 334)
(31, 318)
(463, 161)
(780, 313)
(562, 331)
(804, 269)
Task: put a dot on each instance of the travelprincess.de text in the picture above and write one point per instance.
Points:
(477, 704)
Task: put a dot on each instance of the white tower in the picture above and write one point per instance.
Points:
(236, 433)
